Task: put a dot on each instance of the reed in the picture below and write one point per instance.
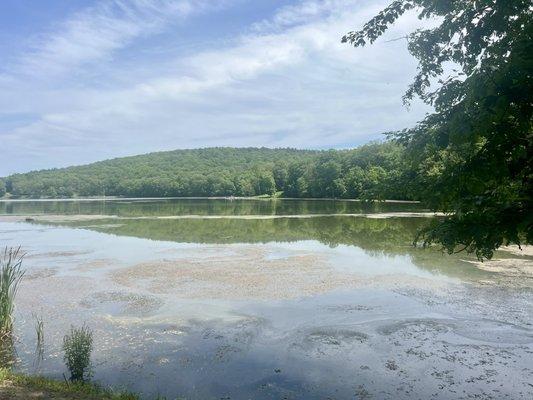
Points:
(11, 274)
(39, 332)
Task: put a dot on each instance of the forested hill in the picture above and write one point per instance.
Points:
(370, 171)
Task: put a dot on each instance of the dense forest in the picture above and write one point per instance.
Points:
(372, 171)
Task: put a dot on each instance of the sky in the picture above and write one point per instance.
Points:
(82, 81)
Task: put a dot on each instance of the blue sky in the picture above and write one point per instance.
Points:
(82, 81)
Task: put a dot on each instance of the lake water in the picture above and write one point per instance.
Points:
(270, 299)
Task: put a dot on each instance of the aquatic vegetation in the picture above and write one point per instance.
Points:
(78, 346)
(11, 274)
(39, 332)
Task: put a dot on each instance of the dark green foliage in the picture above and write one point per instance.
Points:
(472, 157)
(78, 346)
(365, 172)
(2, 187)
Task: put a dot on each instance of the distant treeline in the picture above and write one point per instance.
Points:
(372, 171)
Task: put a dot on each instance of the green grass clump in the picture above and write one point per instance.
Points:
(11, 274)
(12, 384)
(78, 346)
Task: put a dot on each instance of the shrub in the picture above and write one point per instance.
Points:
(78, 346)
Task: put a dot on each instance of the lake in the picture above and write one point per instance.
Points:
(269, 299)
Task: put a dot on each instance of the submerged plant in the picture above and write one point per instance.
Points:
(11, 273)
(78, 346)
(39, 332)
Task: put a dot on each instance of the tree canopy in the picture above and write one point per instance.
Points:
(471, 157)
(366, 172)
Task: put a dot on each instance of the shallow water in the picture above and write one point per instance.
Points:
(298, 300)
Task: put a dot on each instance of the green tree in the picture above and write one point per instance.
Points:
(280, 174)
(294, 187)
(471, 158)
(243, 186)
(354, 182)
(325, 172)
(264, 182)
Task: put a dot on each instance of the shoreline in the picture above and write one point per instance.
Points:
(84, 199)
(21, 386)
(51, 218)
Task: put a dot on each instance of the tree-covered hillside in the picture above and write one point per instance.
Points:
(371, 171)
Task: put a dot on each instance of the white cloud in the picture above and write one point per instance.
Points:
(92, 35)
(288, 81)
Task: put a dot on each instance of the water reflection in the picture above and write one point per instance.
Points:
(179, 306)
(375, 236)
(165, 207)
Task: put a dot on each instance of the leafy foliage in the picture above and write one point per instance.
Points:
(78, 346)
(365, 172)
(472, 157)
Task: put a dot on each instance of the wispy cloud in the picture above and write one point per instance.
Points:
(94, 34)
(286, 80)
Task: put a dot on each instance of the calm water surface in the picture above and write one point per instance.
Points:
(269, 299)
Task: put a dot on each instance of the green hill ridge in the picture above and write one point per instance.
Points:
(369, 171)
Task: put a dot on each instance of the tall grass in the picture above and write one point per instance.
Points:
(11, 274)
(78, 346)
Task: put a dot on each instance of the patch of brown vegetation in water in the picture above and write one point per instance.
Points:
(41, 273)
(51, 254)
(246, 275)
(128, 303)
(95, 264)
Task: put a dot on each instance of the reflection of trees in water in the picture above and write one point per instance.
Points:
(387, 236)
(203, 207)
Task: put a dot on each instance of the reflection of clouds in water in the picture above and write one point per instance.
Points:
(257, 346)
(355, 260)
